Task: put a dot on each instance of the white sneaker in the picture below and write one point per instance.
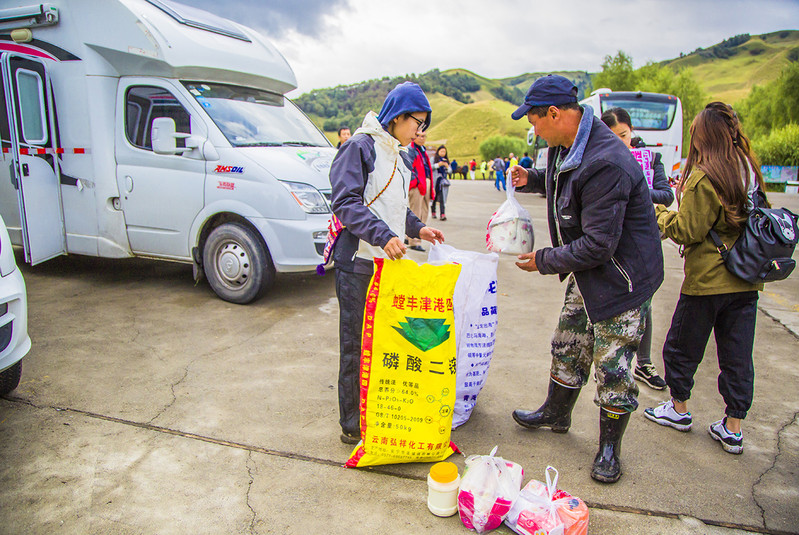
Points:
(731, 442)
(666, 414)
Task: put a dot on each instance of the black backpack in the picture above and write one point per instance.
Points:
(762, 253)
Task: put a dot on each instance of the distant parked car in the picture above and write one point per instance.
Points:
(14, 340)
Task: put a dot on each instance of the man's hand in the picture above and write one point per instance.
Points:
(395, 249)
(530, 264)
(518, 176)
(431, 234)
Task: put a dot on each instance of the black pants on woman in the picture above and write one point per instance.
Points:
(732, 319)
(351, 289)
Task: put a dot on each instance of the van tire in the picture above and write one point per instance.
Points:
(237, 263)
(9, 378)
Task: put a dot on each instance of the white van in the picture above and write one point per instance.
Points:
(151, 128)
(657, 120)
(14, 340)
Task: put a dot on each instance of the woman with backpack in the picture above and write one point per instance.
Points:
(717, 191)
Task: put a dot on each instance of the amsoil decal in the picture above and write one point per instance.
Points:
(226, 185)
(228, 169)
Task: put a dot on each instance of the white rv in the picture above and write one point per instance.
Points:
(150, 128)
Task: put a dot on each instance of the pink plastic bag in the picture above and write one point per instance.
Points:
(488, 489)
(541, 509)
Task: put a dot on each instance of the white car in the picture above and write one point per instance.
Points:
(14, 340)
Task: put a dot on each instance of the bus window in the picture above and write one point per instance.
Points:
(645, 114)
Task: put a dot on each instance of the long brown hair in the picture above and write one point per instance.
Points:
(722, 152)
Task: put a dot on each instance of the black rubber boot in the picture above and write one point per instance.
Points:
(555, 413)
(607, 466)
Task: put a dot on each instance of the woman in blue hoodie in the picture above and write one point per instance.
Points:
(370, 176)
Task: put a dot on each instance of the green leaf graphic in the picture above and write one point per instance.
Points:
(424, 333)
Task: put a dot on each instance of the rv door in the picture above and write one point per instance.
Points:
(28, 99)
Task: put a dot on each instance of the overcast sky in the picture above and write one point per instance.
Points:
(333, 42)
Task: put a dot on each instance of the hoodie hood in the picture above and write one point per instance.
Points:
(406, 97)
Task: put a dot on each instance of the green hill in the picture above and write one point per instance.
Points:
(727, 73)
(468, 108)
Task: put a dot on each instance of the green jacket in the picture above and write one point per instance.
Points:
(700, 210)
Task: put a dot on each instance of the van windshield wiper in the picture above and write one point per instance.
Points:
(300, 144)
(260, 144)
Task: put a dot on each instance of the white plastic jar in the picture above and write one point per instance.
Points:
(442, 489)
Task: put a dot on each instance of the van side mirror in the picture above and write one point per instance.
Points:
(164, 136)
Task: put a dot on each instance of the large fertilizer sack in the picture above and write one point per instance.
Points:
(408, 364)
(475, 303)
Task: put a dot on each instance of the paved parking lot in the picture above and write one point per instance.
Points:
(147, 405)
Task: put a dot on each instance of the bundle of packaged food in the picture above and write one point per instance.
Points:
(542, 509)
(488, 488)
(510, 229)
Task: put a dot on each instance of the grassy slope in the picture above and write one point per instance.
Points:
(463, 130)
(757, 61)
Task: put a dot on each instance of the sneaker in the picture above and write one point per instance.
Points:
(731, 442)
(665, 414)
(349, 438)
(417, 248)
(434, 215)
(443, 217)
(649, 375)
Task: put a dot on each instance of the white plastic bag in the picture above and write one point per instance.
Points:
(489, 487)
(542, 509)
(475, 307)
(510, 229)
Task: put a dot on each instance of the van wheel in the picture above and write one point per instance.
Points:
(237, 264)
(9, 378)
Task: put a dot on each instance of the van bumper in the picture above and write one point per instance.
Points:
(291, 243)
(14, 340)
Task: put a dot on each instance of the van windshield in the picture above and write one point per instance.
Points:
(645, 114)
(253, 118)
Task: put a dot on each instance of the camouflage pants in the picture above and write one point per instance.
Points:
(609, 345)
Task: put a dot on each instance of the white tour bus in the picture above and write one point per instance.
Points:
(657, 120)
(151, 128)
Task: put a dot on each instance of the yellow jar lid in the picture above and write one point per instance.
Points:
(444, 472)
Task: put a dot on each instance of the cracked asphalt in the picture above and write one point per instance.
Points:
(147, 405)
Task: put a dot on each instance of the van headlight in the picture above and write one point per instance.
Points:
(308, 197)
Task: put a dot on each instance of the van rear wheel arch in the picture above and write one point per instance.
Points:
(235, 259)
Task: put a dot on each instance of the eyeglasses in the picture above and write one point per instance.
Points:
(420, 125)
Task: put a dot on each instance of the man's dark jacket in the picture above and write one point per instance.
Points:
(600, 202)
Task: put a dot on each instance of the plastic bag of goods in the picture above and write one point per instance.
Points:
(542, 509)
(475, 302)
(489, 487)
(407, 375)
(510, 229)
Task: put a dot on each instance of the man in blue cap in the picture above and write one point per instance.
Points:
(607, 246)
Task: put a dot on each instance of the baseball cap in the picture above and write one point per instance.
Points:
(549, 90)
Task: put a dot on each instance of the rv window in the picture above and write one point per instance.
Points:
(31, 104)
(251, 117)
(143, 104)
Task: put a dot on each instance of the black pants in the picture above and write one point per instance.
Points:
(351, 289)
(732, 319)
